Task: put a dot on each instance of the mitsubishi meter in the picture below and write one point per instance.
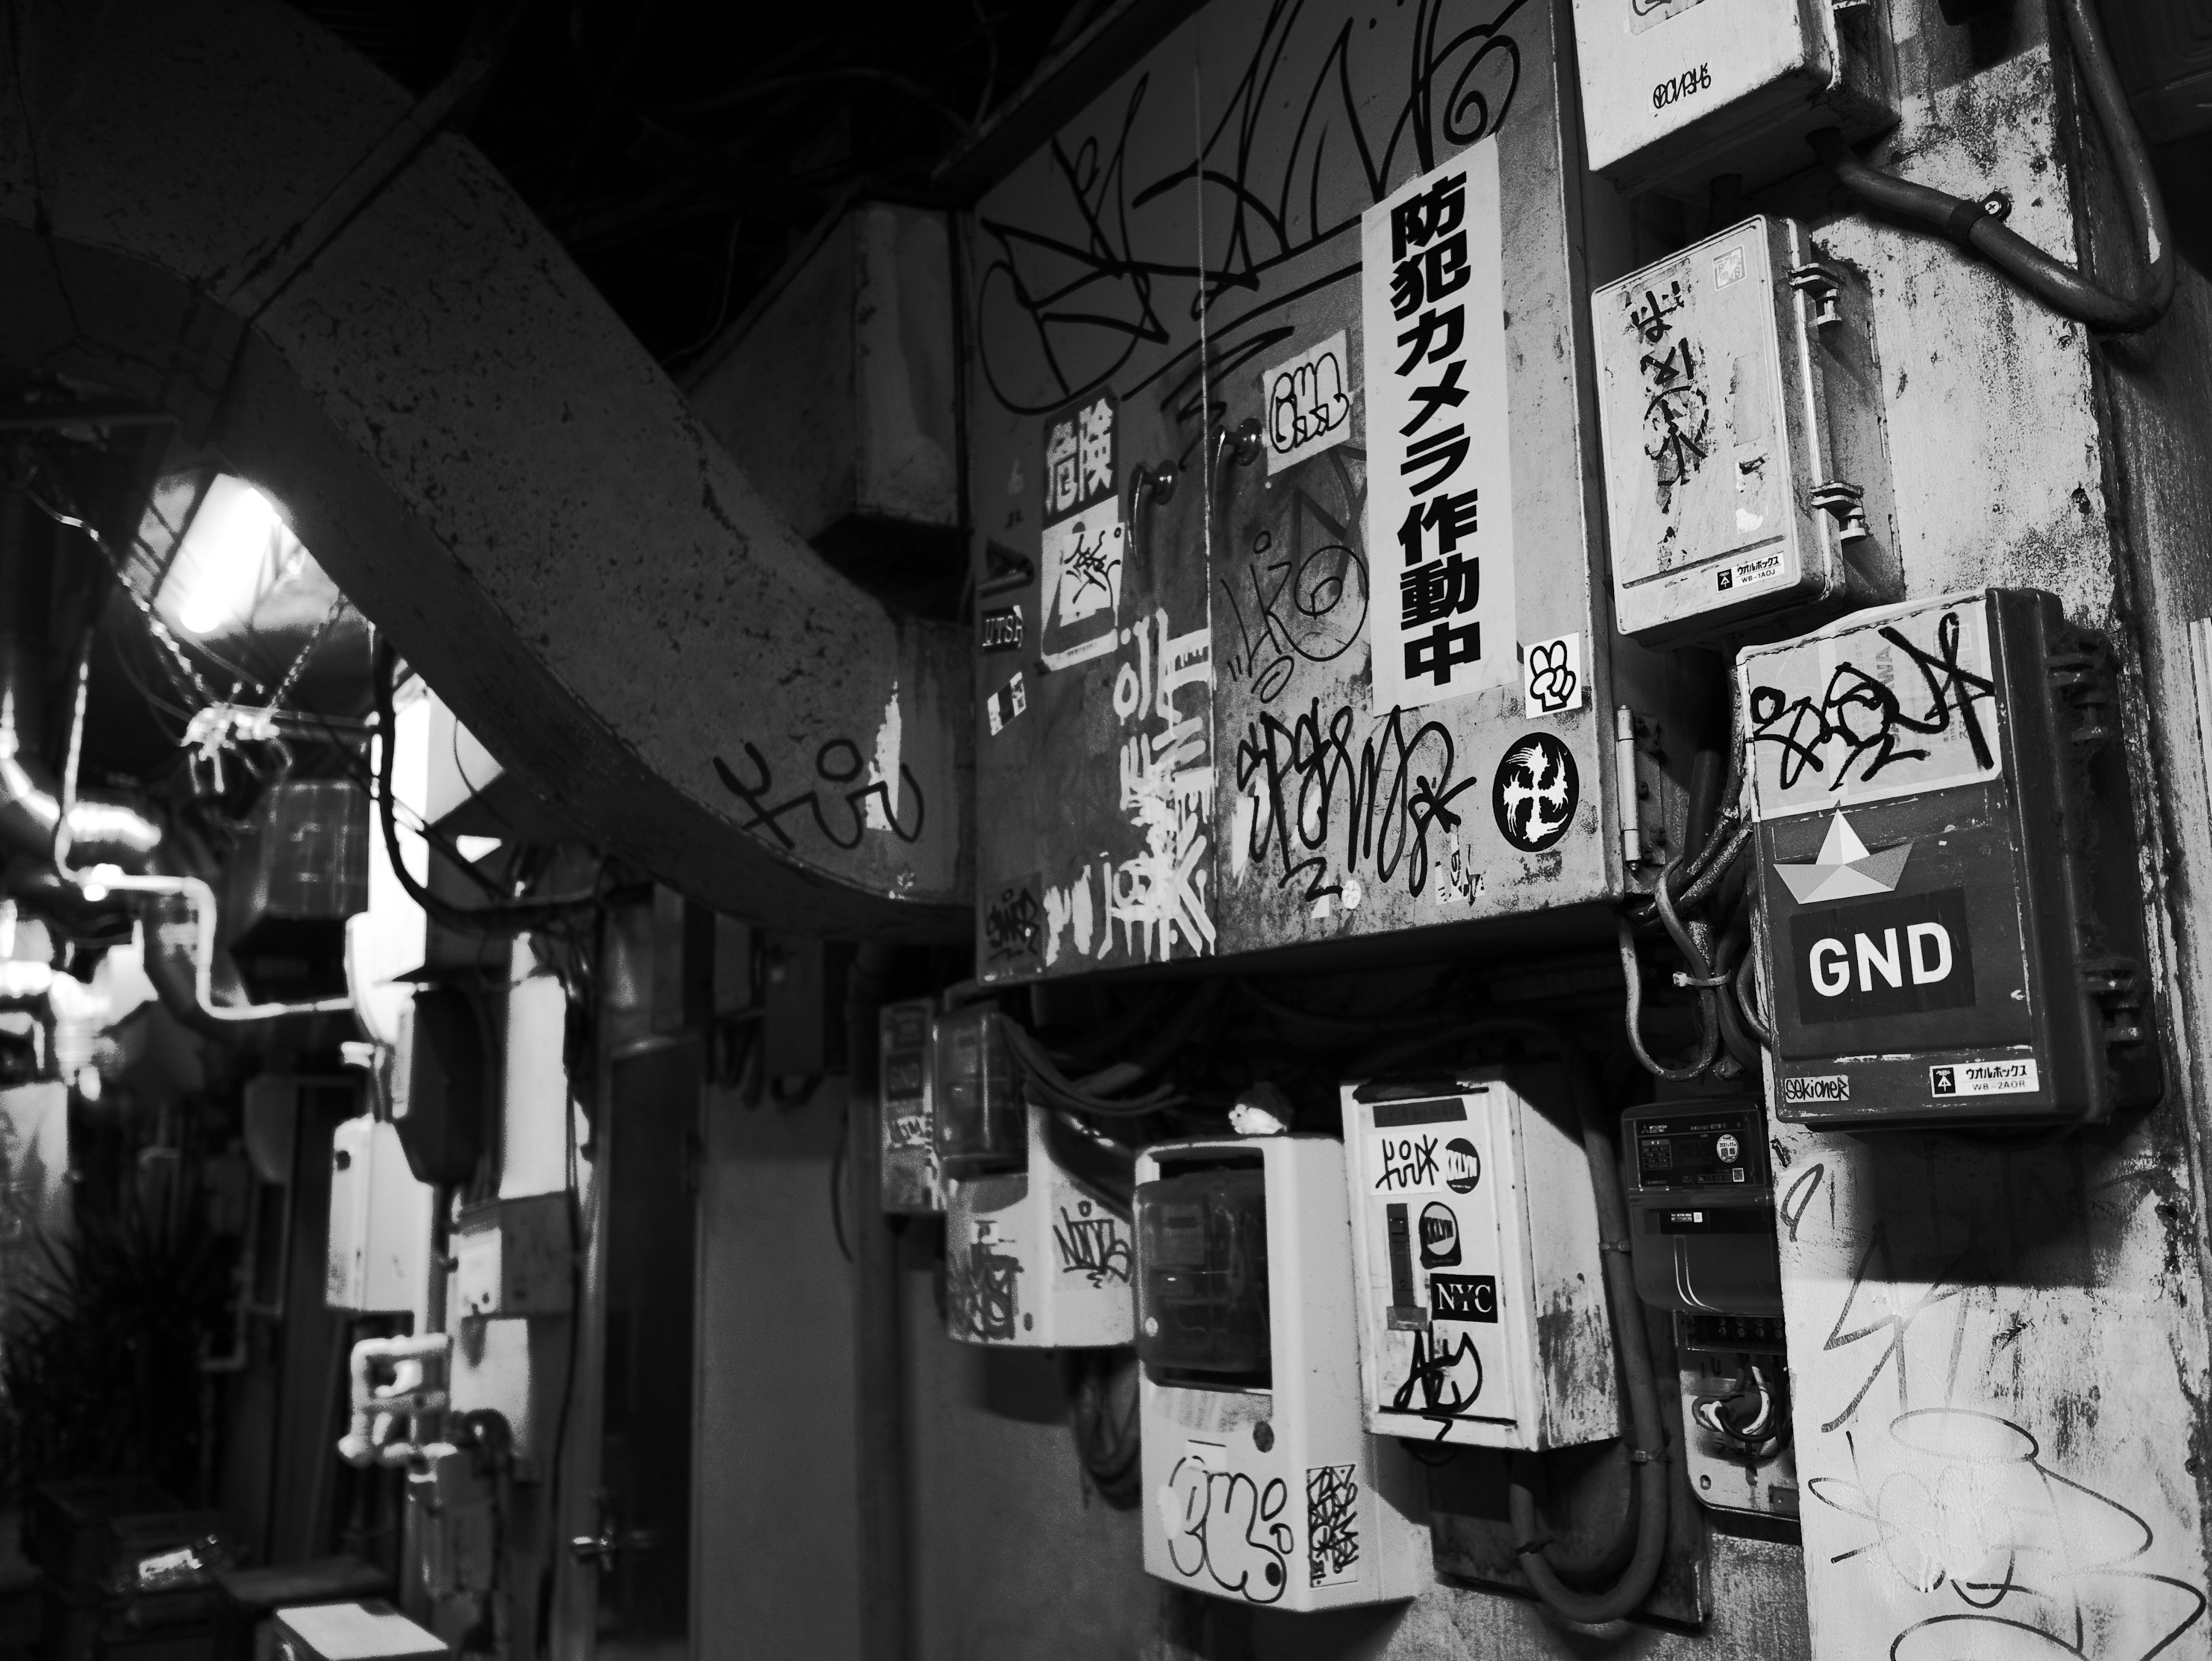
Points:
(1936, 801)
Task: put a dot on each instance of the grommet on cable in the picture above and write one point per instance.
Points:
(1641, 1456)
(1959, 224)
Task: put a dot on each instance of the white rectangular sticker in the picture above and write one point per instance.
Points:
(1421, 1159)
(1552, 681)
(1331, 1524)
(1820, 1087)
(1441, 624)
(1983, 1079)
(1308, 400)
(1891, 703)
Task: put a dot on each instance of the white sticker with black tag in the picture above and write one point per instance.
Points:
(1818, 1087)
(1984, 1079)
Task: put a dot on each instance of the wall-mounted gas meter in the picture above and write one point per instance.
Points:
(1034, 1258)
(1262, 1485)
(1472, 1214)
(906, 1093)
(1927, 843)
(1675, 92)
(1747, 474)
(1701, 1209)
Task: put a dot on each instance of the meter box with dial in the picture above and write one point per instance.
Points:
(1935, 825)
(1701, 1208)
(1746, 473)
(1482, 1307)
(1675, 92)
(1035, 1256)
(905, 1090)
(1701, 1231)
(1262, 1485)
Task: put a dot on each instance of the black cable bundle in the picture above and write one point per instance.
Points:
(1101, 1385)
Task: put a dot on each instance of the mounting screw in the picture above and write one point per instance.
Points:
(1249, 445)
(1157, 484)
(1998, 204)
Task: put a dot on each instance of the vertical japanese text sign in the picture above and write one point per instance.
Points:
(1079, 609)
(1439, 490)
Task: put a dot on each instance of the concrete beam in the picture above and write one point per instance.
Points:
(221, 210)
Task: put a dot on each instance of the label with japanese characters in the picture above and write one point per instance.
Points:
(1439, 492)
(1082, 541)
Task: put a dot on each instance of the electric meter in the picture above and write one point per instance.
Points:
(1676, 92)
(1701, 1210)
(904, 1056)
(1262, 1486)
(1036, 1257)
(1930, 842)
(1482, 1308)
(1746, 473)
(976, 1096)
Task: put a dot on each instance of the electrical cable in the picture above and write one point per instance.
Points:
(1108, 1442)
(1970, 224)
(1651, 1456)
(500, 916)
(1631, 971)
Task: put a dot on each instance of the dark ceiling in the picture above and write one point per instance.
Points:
(680, 148)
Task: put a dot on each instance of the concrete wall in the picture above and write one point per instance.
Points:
(774, 1577)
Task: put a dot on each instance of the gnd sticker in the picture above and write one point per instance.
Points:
(1536, 792)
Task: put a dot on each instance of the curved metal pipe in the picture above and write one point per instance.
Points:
(110, 831)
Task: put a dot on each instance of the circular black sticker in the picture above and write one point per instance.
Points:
(1535, 793)
(1462, 1165)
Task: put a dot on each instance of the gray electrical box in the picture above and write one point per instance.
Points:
(1746, 473)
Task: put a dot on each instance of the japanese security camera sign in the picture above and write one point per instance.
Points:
(1439, 491)
(1889, 703)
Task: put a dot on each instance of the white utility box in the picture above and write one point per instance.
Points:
(1482, 1304)
(1746, 473)
(381, 1220)
(1262, 1485)
(1677, 92)
(513, 1259)
(1034, 1258)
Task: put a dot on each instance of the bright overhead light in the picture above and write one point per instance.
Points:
(236, 550)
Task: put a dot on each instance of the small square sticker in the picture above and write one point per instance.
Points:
(1727, 268)
(1552, 679)
(1003, 705)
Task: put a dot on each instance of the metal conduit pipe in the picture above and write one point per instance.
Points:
(100, 842)
(106, 831)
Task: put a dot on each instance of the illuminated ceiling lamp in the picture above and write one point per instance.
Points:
(236, 550)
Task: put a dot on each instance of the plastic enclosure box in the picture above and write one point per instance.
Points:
(379, 1239)
(1701, 1208)
(979, 1126)
(1930, 845)
(512, 1259)
(1675, 92)
(1037, 1258)
(1746, 473)
(904, 1053)
(1271, 1493)
(1472, 1217)
(1202, 1300)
